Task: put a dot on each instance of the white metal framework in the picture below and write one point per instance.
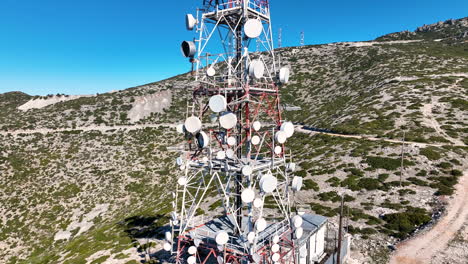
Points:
(235, 148)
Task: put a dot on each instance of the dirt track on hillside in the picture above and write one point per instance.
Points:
(422, 248)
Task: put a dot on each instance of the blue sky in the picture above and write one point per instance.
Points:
(89, 46)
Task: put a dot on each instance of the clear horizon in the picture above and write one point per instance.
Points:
(88, 47)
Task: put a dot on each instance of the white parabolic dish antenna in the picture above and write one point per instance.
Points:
(276, 239)
(192, 260)
(268, 183)
(258, 202)
(296, 183)
(188, 49)
(193, 124)
(280, 137)
(182, 181)
(190, 21)
(297, 221)
(275, 257)
(228, 120)
(275, 248)
(246, 170)
(230, 153)
(256, 69)
(203, 139)
(284, 75)
(217, 103)
(261, 224)
(299, 231)
(278, 150)
(211, 72)
(221, 155)
(255, 140)
(256, 125)
(192, 250)
(180, 128)
(222, 237)
(288, 128)
(167, 246)
(251, 237)
(253, 28)
(248, 195)
(231, 141)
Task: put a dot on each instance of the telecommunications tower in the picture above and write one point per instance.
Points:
(235, 153)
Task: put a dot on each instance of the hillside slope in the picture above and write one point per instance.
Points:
(101, 195)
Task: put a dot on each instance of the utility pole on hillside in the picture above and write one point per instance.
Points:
(402, 157)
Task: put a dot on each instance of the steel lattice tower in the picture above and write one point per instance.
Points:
(235, 143)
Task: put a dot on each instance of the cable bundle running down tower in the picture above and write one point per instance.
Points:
(235, 144)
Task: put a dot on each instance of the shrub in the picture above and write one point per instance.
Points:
(369, 184)
(386, 163)
(406, 222)
(383, 177)
(432, 153)
(310, 185)
(421, 173)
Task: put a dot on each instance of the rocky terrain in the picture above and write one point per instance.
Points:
(87, 180)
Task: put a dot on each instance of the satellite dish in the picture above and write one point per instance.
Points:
(220, 260)
(253, 28)
(192, 250)
(193, 124)
(192, 260)
(278, 150)
(260, 224)
(256, 125)
(258, 203)
(228, 120)
(197, 242)
(296, 183)
(255, 140)
(287, 128)
(213, 118)
(291, 166)
(284, 75)
(248, 195)
(246, 170)
(256, 69)
(275, 257)
(256, 257)
(190, 21)
(168, 236)
(217, 103)
(221, 155)
(230, 153)
(275, 248)
(299, 232)
(251, 237)
(222, 237)
(231, 141)
(280, 137)
(268, 183)
(205, 159)
(174, 215)
(188, 49)
(180, 129)
(167, 246)
(276, 239)
(211, 72)
(297, 221)
(180, 161)
(182, 181)
(202, 139)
